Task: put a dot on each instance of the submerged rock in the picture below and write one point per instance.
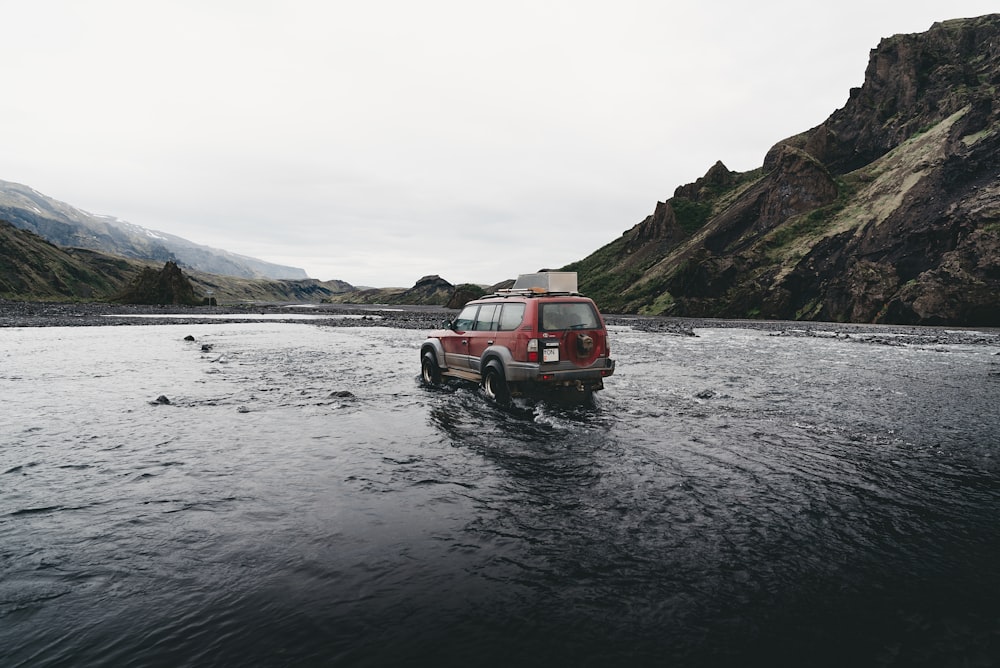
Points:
(340, 394)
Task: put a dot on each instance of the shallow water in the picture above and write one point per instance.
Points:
(732, 498)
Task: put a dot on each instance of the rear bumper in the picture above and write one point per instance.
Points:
(562, 373)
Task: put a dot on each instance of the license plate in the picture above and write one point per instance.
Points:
(550, 354)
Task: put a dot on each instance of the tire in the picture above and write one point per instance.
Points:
(430, 374)
(495, 385)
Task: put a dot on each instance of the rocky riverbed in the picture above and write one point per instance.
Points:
(52, 314)
(298, 497)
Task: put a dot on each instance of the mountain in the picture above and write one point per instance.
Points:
(428, 291)
(67, 226)
(32, 268)
(887, 212)
(227, 289)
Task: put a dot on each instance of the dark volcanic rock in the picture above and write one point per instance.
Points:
(888, 212)
(430, 290)
(912, 82)
(167, 286)
(341, 394)
(463, 294)
(717, 178)
(659, 227)
(933, 259)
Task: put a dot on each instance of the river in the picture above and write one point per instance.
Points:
(297, 498)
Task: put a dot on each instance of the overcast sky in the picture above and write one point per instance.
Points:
(377, 141)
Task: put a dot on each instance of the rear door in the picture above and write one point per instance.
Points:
(577, 326)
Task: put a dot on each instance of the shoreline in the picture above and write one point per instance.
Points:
(93, 314)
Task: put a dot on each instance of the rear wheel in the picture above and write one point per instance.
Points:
(495, 385)
(430, 374)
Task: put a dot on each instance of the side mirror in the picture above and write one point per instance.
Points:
(450, 324)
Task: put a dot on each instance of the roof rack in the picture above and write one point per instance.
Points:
(543, 283)
(530, 292)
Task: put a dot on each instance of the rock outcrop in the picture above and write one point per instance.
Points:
(887, 212)
(166, 286)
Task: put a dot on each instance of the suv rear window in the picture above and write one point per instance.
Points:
(567, 315)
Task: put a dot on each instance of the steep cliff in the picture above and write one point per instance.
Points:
(889, 211)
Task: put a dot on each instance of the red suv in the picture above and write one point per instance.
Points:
(538, 335)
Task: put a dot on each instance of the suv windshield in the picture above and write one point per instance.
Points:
(567, 315)
(466, 319)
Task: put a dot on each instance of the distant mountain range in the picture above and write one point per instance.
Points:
(68, 226)
(888, 212)
(34, 269)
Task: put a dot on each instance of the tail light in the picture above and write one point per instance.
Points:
(533, 350)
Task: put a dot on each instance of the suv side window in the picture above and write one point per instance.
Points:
(465, 319)
(567, 315)
(511, 316)
(487, 318)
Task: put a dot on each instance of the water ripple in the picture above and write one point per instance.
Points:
(729, 499)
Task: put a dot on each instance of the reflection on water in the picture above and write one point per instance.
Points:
(729, 499)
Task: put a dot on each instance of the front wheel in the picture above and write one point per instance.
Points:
(495, 385)
(430, 374)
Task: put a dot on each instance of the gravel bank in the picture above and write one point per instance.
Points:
(50, 314)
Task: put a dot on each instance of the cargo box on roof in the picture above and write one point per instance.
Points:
(547, 281)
